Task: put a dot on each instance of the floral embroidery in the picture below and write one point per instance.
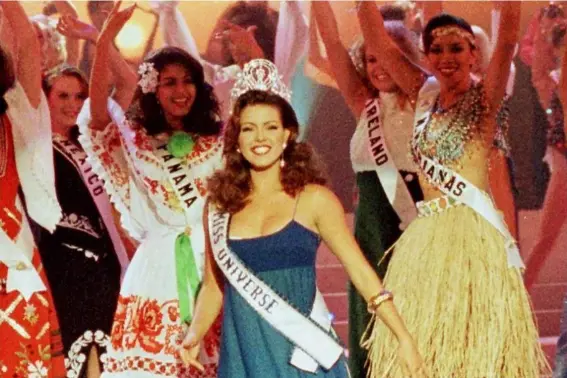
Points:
(152, 185)
(31, 364)
(173, 313)
(138, 322)
(141, 139)
(153, 327)
(173, 337)
(30, 314)
(77, 358)
(37, 370)
(150, 326)
(119, 322)
(200, 184)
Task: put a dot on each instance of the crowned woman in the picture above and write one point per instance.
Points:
(269, 210)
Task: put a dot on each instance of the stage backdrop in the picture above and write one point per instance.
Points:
(328, 123)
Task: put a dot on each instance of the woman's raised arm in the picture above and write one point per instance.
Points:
(499, 67)
(27, 57)
(101, 75)
(344, 71)
(405, 73)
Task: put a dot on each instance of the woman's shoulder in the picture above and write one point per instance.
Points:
(319, 195)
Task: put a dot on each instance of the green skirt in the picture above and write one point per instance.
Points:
(376, 229)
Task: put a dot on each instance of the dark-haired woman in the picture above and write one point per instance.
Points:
(244, 31)
(84, 256)
(30, 340)
(456, 268)
(154, 162)
(269, 212)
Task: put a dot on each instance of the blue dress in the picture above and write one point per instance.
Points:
(250, 347)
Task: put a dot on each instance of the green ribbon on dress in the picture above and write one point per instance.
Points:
(187, 276)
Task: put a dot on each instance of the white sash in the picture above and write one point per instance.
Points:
(314, 345)
(388, 174)
(180, 179)
(78, 158)
(457, 187)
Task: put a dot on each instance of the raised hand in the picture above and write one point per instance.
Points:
(242, 43)
(72, 27)
(116, 21)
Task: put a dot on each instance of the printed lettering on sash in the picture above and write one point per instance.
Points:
(457, 187)
(78, 158)
(180, 178)
(314, 345)
(95, 185)
(387, 172)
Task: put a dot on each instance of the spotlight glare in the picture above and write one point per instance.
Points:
(130, 37)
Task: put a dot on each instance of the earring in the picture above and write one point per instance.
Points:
(237, 149)
(282, 161)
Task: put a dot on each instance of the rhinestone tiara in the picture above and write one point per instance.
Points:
(262, 75)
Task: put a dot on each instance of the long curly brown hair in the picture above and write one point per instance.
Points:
(229, 188)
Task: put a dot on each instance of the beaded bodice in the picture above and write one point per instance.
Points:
(445, 134)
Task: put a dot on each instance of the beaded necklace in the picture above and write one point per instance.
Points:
(445, 136)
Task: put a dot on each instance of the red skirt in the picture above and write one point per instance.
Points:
(29, 332)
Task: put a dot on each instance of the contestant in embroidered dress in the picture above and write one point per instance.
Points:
(83, 257)
(272, 195)
(30, 341)
(465, 302)
(154, 162)
(387, 184)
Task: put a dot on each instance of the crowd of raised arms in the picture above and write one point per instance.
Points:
(160, 217)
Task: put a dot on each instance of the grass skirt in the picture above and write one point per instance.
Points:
(467, 310)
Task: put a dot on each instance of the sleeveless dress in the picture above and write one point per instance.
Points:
(463, 302)
(250, 347)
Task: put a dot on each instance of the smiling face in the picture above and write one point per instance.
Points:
(65, 100)
(262, 135)
(379, 78)
(450, 58)
(176, 92)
